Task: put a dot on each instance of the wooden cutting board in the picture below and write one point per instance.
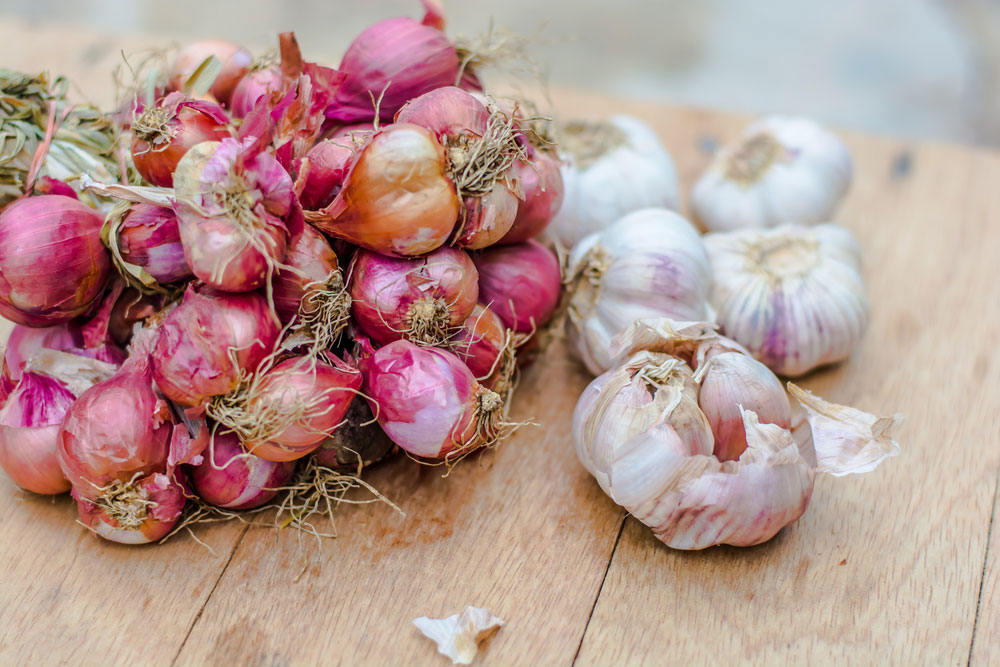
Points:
(894, 567)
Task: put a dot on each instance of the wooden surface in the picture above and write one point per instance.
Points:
(894, 567)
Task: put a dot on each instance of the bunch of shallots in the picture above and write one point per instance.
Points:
(296, 271)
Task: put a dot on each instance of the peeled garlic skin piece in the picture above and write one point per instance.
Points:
(650, 264)
(793, 295)
(599, 189)
(783, 169)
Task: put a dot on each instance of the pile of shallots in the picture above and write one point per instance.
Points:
(260, 275)
(687, 425)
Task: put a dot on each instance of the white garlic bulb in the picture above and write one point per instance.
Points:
(638, 431)
(650, 264)
(611, 168)
(783, 169)
(792, 295)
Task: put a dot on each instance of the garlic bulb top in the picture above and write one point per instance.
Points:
(639, 431)
(611, 168)
(783, 170)
(792, 295)
(650, 264)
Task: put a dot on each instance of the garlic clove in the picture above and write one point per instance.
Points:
(696, 502)
(847, 440)
(732, 382)
(458, 636)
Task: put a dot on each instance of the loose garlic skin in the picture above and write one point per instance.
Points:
(650, 264)
(793, 295)
(638, 431)
(611, 168)
(783, 170)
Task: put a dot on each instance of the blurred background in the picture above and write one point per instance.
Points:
(927, 69)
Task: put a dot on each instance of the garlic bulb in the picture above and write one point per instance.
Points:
(792, 295)
(639, 431)
(650, 264)
(611, 168)
(783, 169)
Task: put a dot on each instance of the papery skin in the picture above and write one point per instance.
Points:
(397, 199)
(168, 503)
(234, 58)
(424, 398)
(252, 87)
(328, 164)
(295, 382)
(696, 501)
(397, 59)
(650, 264)
(226, 253)
(622, 403)
(804, 184)
(29, 427)
(149, 237)
(791, 318)
(191, 362)
(189, 123)
(636, 175)
(520, 283)
(312, 262)
(544, 191)
(731, 380)
(53, 266)
(357, 443)
(480, 342)
(384, 290)
(117, 429)
(237, 483)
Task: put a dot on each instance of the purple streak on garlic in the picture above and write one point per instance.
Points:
(639, 431)
(611, 168)
(783, 169)
(650, 264)
(792, 295)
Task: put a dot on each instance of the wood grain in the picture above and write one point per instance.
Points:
(889, 568)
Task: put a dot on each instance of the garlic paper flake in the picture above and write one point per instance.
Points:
(611, 168)
(641, 431)
(459, 635)
(783, 169)
(792, 295)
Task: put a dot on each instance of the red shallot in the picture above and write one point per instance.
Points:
(429, 402)
(164, 132)
(53, 266)
(232, 479)
(142, 510)
(422, 300)
(235, 61)
(232, 203)
(542, 185)
(210, 342)
(520, 283)
(398, 199)
(148, 237)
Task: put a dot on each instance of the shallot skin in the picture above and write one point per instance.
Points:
(542, 183)
(191, 360)
(397, 200)
(30, 421)
(53, 266)
(424, 398)
(387, 292)
(149, 237)
(232, 479)
(520, 283)
(252, 87)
